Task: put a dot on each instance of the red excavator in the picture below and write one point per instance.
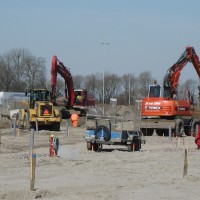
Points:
(76, 99)
(163, 109)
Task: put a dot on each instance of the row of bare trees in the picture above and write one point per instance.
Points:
(21, 71)
(126, 88)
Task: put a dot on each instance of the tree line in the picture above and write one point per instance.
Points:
(21, 71)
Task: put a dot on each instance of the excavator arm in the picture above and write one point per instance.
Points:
(59, 68)
(172, 76)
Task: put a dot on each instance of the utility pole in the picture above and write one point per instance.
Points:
(104, 44)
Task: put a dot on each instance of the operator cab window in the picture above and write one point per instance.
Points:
(154, 91)
(35, 97)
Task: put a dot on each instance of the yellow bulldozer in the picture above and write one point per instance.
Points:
(39, 111)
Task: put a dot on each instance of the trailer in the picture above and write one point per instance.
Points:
(110, 130)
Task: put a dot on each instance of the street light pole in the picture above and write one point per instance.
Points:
(104, 44)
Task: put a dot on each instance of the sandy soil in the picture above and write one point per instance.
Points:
(154, 173)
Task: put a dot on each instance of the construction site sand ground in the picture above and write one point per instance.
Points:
(154, 173)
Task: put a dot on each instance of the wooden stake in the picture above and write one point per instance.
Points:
(32, 178)
(18, 132)
(183, 140)
(185, 167)
(66, 129)
(163, 137)
(36, 125)
(14, 127)
(31, 145)
(32, 157)
(170, 132)
(176, 142)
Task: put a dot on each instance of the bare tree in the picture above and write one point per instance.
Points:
(34, 72)
(7, 74)
(60, 87)
(144, 80)
(91, 84)
(188, 90)
(99, 87)
(19, 59)
(12, 68)
(22, 71)
(78, 81)
(129, 89)
(112, 86)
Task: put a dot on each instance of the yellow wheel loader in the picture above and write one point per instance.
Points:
(39, 111)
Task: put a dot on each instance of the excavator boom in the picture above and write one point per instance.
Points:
(172, 76)
(76, 98)
(59, 68)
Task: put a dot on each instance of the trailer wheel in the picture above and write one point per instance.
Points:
(137, 145)
(179, 127)
(89, 146)
(100, 147)
(187, 126)
(106, 133)
(96, 146)
(194, 127)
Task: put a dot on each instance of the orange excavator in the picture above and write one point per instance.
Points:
(162, 108)
(76, 99)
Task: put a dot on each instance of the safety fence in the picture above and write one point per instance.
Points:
(10, 104)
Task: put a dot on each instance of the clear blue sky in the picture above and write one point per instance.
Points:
(143, 34)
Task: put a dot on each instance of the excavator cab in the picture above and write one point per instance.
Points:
(79, 97)
(39, 95)
(154, 91)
